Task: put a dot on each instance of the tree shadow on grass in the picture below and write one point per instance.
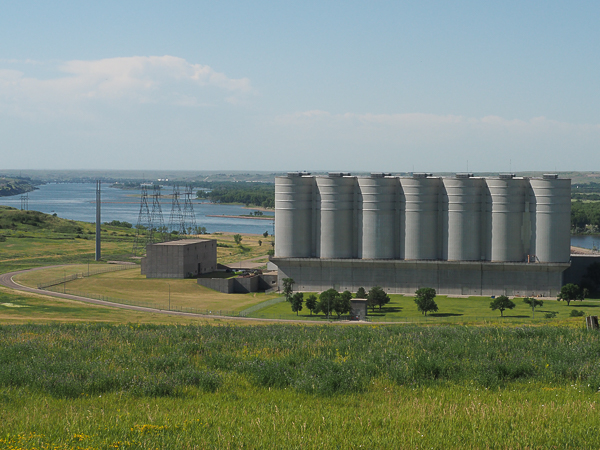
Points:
(385, 310)
(516, 317)
(444, 315)
(583, 305)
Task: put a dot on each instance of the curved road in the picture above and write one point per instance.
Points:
(6, 280)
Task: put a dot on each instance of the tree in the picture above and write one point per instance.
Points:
(361, 293)
(266, 234)
(259, 243)
(570, 292)
(377, 296)
(327, 300)
(342, 303)
(297, 301)
(425, 300)
(311, 303)
(534, 303)
(237, 238)
(288, 288)
(502, 303)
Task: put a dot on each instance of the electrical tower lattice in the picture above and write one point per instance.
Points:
(189, 217)
(25, 202)
(176, 220)
(156, 217)
(144, 233)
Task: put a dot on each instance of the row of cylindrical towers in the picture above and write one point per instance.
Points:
(422, 217)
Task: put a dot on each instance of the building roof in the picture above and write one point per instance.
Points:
(184, 242)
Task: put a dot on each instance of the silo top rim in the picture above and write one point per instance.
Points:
(463, 175)
(550, 176)
(297, 174)
(506, 175)
(338, 174)
(380, 174)
(421, 175)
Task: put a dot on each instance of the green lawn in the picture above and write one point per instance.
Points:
(451, 310)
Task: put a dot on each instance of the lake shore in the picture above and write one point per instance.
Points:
(241, 217)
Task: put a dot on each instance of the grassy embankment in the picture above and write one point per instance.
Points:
(130, 286)
(32, 239)
(92, 386)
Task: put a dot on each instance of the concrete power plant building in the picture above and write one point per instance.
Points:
(466, 235)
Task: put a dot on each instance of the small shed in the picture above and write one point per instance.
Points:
(186, 258)
(359, 308)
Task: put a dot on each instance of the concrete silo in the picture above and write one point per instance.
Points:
(337, 228)
(377, 216)
(421, 194)
(508, 208)
(552, 211)
(463, 217)
(293, 210)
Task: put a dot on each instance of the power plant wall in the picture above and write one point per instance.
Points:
(462, 218)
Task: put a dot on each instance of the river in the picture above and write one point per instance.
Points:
(77, 201)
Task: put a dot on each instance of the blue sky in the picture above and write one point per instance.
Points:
(377, 85)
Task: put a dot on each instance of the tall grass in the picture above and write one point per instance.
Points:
(130, 386)
(74, 360)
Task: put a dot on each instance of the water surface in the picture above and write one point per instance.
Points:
(77, 201)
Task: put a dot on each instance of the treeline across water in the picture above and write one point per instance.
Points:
(584, 215)
(255, 194)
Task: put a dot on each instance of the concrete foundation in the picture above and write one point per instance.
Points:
(180, 259)
(405, 277)
(258, 283)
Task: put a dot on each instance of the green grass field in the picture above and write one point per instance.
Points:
(132, 386)
(129, 286)
(451, 310)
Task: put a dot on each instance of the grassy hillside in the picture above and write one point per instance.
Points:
(132, 386)
(14, 186)
(32, 239)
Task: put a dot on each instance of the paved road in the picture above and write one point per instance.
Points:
(6, 279)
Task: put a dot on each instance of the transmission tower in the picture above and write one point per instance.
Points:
(189, 217)
(176, 220)
(144, 227)
(25, 202)
(156, 217)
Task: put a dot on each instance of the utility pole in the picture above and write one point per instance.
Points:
(98, 230)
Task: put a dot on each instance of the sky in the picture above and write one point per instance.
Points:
(392, 86)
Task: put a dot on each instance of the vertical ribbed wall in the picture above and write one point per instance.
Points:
(508, 206)
(504, 219)
(337, 216)
(293, 207)
(464, 218)
(377, 203)
(552, 218)
(421, 216)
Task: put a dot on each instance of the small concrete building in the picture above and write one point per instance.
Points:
(187, 258)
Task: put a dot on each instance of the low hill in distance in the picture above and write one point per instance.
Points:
(15, 186)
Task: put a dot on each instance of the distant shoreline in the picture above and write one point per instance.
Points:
(241, 217)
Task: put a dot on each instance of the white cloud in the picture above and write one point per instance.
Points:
(138, 79)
